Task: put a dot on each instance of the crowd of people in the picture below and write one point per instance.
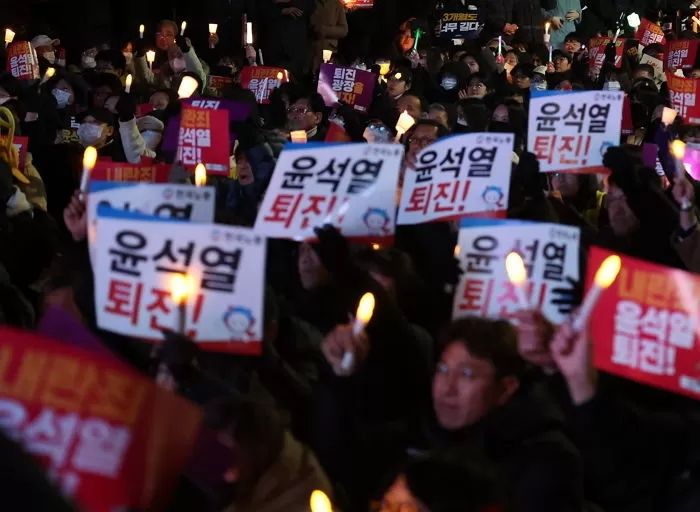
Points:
(435, 415)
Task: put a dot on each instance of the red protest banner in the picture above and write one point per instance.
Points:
(217, 84)
(203, 138)
(21, 143)
(649, 32)
(645, 325)
(262, 80)
(682, 54)
(22, 61)
(684, 93)
(596, 53)
(104, 432)
(143, 109)
(106, 170)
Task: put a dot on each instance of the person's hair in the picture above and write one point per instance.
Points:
(437, 106)
(163, 23)
(441, 129)
(421, 101)
(648, 68)
(476, 113)
(114, 57)
(493, 340)
(316, 103)
(524, 68)
(108, 79)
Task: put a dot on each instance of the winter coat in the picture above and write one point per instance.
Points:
(329, 25)
(562, 7)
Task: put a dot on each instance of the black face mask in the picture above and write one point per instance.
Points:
(500, 127)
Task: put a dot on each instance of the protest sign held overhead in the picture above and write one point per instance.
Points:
(203, 138)
(354, 87)
(684, 97)
(102, 430)
(572, 131)
(649, 32)
(22, 61)
(645, 326)
(351, 186)
(138, 259)
(460, 25)
(183, 203)
(457, 176)
(551, 256)
(596, 53)
(682, 54)
(262, 80)
(218, 84)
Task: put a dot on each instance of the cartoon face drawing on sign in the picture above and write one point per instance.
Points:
(493, 197)
(377, 221)
(240, 322)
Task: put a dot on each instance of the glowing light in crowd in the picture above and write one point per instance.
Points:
(327, 55)
(212, 28)
(200, 175)
(142, 29)
(633, 20)
(89, 160)
(298, 136)
(249, 33)
(404, 123)
(181, 288)
(127, 83)
(604, 278)
(365, 310)
(187, 87)
(384, 67)
(50, 72)
(320, 502)
(150, 58)
(517, 275)
(668, 115)
(183, 26)
(9, 36)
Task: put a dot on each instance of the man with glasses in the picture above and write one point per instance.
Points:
(175, 55)
(306, 113)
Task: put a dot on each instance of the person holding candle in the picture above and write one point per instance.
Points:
(329, 26)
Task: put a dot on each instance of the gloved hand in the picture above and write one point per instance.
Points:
(183, 43)
(334, 249)
(126, 108)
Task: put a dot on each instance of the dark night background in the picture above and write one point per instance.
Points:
(84, 23)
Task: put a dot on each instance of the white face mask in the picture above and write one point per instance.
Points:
(88, 62)
(612, 85)
(89, 134)
(50, 56)
(62, 97)
(449, 83)
(178, 64)
(151, 138)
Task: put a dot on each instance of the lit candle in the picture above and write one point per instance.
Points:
(677, 149)
(550, 52)
(298, 136)
(48, 74)
(188, 86)
(280, 75)
(633, 20)
(319, 502)
(384, 67)
(376, 247)
(365, 310)
(546, 29)
(200, 175)
(517, 275)
(89, 159)
(668, 115)
(127, 83)
(404, 124)
(150, 58)
(213, 28)
(457, 251)
(183, 26)
(327, 55)
(604, 278)
(181, 286)
(142, 29)
(262, 62)
(9, 36)
(249, 33)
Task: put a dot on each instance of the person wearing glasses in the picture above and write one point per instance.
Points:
(175, 56)
(305, 112)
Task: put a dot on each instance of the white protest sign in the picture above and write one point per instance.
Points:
(136, 260)
(458, 176)
(551, 256)
(351, 186)
(178, 202)
(571, 131)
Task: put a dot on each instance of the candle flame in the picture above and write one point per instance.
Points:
(187, 87)
(608, 271)
(280, 75)
(320, 502)
(298, 136)
(515, 268)
(405, 122)
(9, 35)
(677, 149)
(376, 247)
(213, 27)
(181, 287)
(458, 251)
(366, 308)
(50, 72)
(200, 175)
(327, 55)
(127, 83)
(384, 67)
(89, 158)
(183, 26)
(142, 28)
(151, 56)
